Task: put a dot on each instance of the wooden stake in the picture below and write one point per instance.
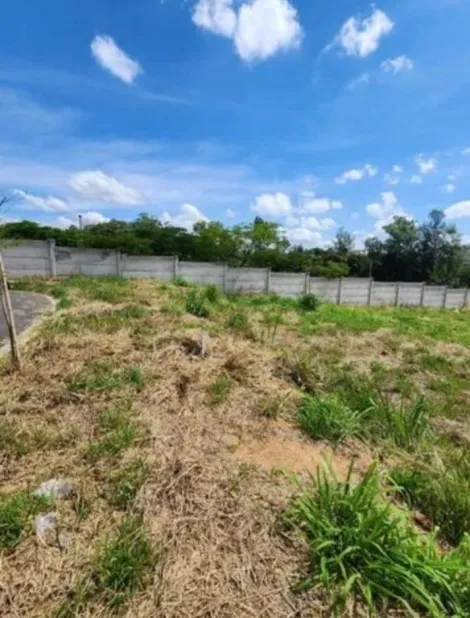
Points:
(9, 317)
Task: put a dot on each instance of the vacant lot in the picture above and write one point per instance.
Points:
(190, 427)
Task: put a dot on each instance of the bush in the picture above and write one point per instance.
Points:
(361, 546)
(212, 293)
(197, 304)
(181, 282)
(327, 418)
(309, 302)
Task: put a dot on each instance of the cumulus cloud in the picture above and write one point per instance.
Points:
(466, 151)
(356, 174)
(112, 58)
(187, 216)
(307, 230)
(390, 179)
(312, 204)
(458, 210)
(231, 214)
(398, 169)
(385, 210)
(272, 205)
(361, 37)
(426, 165)
(246, 25)
(44, 203)
(449, 188)
(400, 64)
(88, 218)
(416, 179)
(99, 187)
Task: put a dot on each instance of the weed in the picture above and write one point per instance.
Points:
(309, 302)
(212, 293)
(327, 418)
(181, 282)
(220, 390)
(101, 376)
(124, 484)
(15, 513)
(122, 562)
(197, 304)
(361, 546)
(272, 320)
(273, 407)
(239, 323)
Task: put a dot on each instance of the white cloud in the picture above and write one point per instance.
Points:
(46, 204)
(307, 230)
(312, 204)
(187, 216)
(449, 188)
(416, 180)
(458, 210)
(466, 151)
(230, 214)
(364, 78)
(361, 37)
(112, 58)
(398, 169)
(88, 218)
(385, 210)
(356, 174)
(391, 180)
(272, 205)
(400, 64)
(99, 187)
(247, 27)
(426, 165)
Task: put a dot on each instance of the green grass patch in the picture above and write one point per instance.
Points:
(197, 304)
(16, 512)
(104, 321)
(120, 432)
(328, 418)
(309, 302)
(122, 563)
(103, 376)
(238, 322)
(124, 485)
(219, 390)
(360, 546)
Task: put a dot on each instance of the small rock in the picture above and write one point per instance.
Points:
(231, 441)
(54, 488)
(46, 528)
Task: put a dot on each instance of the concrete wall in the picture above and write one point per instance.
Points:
(44, 259)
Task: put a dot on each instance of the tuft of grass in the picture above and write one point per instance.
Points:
(328, 418)
(308, 302)
(105, 321)
(125, 483)
(123, 562)
(212, 294)
(15, 517)
(219, 390)
(181, 282)
(120, 434)
(272, 407)
(362, 547)
(272, 320)
(238, 322)
(102, 376)
(197, 304)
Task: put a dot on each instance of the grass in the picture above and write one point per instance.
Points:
(16, 512)
(102, 376)
(360, 546)
(197, 304)
(120, 432)
(327, 418)
(16, 440)
(109, 321)
(122, 562)
(309, 302)
(124, 484)
(238, 322)
(219, 390)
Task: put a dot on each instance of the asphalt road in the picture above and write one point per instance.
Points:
(27, 307)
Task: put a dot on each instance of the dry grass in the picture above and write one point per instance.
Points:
(208, 497)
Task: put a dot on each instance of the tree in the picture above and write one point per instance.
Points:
(441, 252)
(343, 244)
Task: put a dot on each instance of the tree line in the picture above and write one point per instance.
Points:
(431, 251)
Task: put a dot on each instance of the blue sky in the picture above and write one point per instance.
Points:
(315, 115)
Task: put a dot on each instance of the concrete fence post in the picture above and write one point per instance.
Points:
(423, 288)
(465, 298)
(444, 297)
(370, 291)
(340, 289)
(176, 267)
(118, 263)
(51, 256)
(268, 280)
(224, 278)
(397, 294)
(307, 283)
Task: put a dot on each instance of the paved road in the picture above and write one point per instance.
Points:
(27, 306)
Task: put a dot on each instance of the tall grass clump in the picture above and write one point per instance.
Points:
(238, 322)
(309, 302)
(361, 546)
(197, 304)
(327, 418)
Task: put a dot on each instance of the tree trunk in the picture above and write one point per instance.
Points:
(9, 317)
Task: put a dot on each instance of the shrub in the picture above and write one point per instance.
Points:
(212, 293)
(309, 302)
(327, 418)
(361, 546)
(181, 282)
(197, 304)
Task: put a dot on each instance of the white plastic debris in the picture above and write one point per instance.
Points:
(54, 488)
(46, 525)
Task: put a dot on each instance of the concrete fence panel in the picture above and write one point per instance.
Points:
(248, 280)
(383, 293)
(73, 261)
(326, 289)
(355, 291)
(29, 259)
(146, 266)
(456, 298)
(410, 294)
(205, 273)
(288, 284)
(434, 295)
